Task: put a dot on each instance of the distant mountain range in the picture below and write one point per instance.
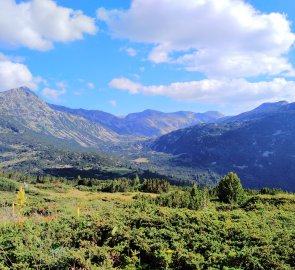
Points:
(32, 132)
(149, 123)
(88, 128)
(259, 145)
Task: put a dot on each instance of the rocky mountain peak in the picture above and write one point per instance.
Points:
(21, 101)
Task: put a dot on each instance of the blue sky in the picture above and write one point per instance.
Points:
(168, 55)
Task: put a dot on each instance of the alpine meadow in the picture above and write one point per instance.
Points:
(152, 135)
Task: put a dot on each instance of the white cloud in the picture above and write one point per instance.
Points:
(14, 75)
(113, 103)
(235, 94)
(125, 84)
(220, 38)
(55, 94)
(130, 51)
(215, 65)
(37, 24)
(90, 85)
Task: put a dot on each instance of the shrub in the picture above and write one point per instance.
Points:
(270, 191)
(8, 184)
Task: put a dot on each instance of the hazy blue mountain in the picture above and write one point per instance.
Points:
(258, 145)
(93, 115)
(261, 111)
(148, 123)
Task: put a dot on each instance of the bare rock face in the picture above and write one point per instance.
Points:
(29, 112)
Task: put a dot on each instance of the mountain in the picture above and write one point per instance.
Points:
(22, 109)
(92, 115)
(154, 123)
(261, 111)
(258, 145)
(149, 123)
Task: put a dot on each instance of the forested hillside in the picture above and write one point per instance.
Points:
(258, 144)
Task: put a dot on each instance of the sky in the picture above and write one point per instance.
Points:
(168, 55)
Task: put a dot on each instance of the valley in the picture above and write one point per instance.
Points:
(147, 135)
(46, 139)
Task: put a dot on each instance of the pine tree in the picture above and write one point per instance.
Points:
(136, 183)
(230, 189)
(195, 197)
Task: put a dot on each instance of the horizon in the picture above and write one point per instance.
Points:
(238, 56)
(144, 110)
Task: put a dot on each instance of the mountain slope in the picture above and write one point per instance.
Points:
(261, 150)
(261, 111)
(148, 123)
(154, 123)
(32, 115)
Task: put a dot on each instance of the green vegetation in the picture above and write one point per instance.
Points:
(155, 186)
(230, 189)
(194, 199)
(7, 184)
(84, 225)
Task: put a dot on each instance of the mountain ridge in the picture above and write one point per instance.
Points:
(149, 123)
(259, 147)
(258, 144)
(30, 112)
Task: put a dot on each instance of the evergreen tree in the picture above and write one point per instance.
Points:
(195, 197)
(230, 189)
(136, 183)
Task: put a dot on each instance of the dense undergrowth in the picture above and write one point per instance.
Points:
(63, 227)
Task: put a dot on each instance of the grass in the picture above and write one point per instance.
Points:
(141, 160)
(122, 235)
(120, 171)
(63, 200)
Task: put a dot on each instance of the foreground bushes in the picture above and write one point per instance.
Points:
(158, 239)
(112, 231)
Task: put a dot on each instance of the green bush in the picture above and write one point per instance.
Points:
(270, 191)
(8, 184)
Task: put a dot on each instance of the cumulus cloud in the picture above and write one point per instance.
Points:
(125, 84)
(13, 74)
(56, 93)
(37, 24)
(220, 38)
(234, 93)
